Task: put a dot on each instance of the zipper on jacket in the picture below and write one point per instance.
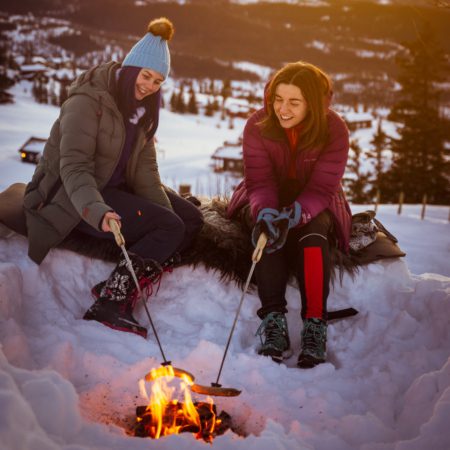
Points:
(100, 188)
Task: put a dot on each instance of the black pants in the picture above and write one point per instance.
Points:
(151, 230)
(307, 254)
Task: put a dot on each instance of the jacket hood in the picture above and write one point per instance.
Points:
(99, 81)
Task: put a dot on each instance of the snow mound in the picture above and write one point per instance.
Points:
(70, 384)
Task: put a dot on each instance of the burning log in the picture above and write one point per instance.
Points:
(170, 409)
(174, 418)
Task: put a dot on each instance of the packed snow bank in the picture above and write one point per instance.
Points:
(70, 384)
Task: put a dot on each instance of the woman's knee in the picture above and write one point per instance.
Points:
(315, 232)
(175, 225)
(189, 213)
(166, 223)
(192, 218)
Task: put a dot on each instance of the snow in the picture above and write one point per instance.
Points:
(372, 54)
(68, 384)
(33, 67)
(263, 72)
(313, 3)
(319, 46)
(356, 116)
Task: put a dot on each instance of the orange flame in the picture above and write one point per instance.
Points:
(168, 415)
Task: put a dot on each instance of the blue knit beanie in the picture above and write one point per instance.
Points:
(152, 51)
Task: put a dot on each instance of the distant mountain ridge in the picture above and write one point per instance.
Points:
(340, 36)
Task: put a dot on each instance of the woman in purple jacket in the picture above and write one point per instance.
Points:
(295, 153)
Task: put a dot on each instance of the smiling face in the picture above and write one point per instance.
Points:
(289, 105)
(147, 83)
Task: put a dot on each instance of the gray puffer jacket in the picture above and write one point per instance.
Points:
(79, 158)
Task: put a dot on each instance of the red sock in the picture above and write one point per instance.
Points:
(313, 266)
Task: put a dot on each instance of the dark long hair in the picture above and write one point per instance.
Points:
(316, 88)
(127, 103)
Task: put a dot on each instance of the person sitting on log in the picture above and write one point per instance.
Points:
(99, 164)
(295, 151)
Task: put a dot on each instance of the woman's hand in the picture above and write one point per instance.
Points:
(276, 225)
(107, 217)
(264, 224)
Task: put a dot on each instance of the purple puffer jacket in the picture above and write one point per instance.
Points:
(266, 162)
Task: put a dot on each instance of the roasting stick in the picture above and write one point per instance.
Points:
(216, 388)
(120, 241)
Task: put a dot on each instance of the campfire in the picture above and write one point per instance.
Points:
(170, 409)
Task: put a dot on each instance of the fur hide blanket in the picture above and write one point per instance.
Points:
(222, 245)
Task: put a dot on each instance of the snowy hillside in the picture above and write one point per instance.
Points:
(68, 384)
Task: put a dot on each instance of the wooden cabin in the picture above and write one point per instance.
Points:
(32, 150)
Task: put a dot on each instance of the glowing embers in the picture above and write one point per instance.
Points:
(172, 411)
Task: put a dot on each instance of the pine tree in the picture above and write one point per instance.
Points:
(64, 90)
(5, 81)
(39, 89)
(52, 95)
(380, 143)
(215, 104)
(180, 105)
(358, 183)
(209, 110)
(173, 101)
(419, 165)
(192, 104)
(226, 90)
(225, 93)
(211, 88)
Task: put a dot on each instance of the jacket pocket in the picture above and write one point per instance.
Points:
(41, 190)
(52, 192)
(33, 197)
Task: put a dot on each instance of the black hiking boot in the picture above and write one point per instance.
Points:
(276, 343)
(152, 275)
(118, 296)
(114, 315)
(314, 343)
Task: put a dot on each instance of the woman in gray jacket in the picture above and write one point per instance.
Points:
(99, 164)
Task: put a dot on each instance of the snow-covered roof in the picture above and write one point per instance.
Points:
(62, 73)
(228, 152)
(33, 68)
(38, 60)
(35, 145)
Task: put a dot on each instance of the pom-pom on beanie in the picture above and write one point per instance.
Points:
(152, 51)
